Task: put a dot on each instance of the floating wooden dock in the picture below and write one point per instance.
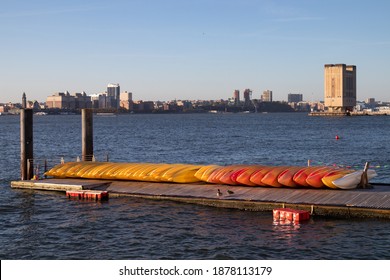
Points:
(325, 202)
(359, 113)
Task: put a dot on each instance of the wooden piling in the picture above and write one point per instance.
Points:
(364, 179)
(87, 134)
(26, 144)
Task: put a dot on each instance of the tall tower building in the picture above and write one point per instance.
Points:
(236, 96)
(247, 97)
(24, 101)
(126, 100)
(340, 87)
(113, 93)
(266, 96)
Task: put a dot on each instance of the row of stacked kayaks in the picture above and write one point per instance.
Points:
(245, 175)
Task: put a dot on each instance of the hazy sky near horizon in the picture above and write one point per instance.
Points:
(191, 49)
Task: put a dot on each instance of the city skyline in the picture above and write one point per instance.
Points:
(191, 50)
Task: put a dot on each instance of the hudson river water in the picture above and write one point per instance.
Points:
(46, 225)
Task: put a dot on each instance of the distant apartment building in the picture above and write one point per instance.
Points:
(61, 100)
(294, 97)
(143, 106)
(33, 105)
(236, 97)
(126, 100)
(247, 97)
(82, 100)
(103, 101)
(3, 108)
(113, 93)
(340, 87)
(266, 96)
(64, 100)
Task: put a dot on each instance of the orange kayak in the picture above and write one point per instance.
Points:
(301, 176)
(286, 177)
(227, 178)
(220, 172)
(271, 178)
(258, 176)
(244, 177)
(237, 173)
(315, 178)
(334, 175)
(204, 172)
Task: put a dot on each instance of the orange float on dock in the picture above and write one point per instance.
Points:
(292, 215)
(88, 194)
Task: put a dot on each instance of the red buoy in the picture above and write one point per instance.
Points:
(337, 137)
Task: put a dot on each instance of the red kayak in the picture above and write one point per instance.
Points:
(271, 178)
(238, 173)
(301, 176)
(244, 177)
(315, 178)
(220, 172)
(228, 177)
(286, 177)
(257, 176)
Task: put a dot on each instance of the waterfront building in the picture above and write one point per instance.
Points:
(33, 105)
(113, 93)
(126, 100)
(63, 100)
(294, 97)
(340, 87)
(3, 109)
(24, 100)
(82, 100)
(266, 96)
(247, 97)
(236, 97)
(105, 102)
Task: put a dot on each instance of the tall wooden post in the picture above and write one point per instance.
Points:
(87, 134)
(26, 144)
(364, 179)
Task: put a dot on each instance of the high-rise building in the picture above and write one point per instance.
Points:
(113, 93)
(340, 87)
(236, 96)
(24, 100)
(126, 100)
(266, 96)
(294, 97)
(247, 97)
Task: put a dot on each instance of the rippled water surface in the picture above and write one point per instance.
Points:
(46, 225)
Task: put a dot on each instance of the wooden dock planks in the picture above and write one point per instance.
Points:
(364, 201)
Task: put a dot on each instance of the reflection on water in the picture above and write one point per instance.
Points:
(54, 227)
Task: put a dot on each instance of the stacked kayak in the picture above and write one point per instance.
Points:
(283, 176)
(148, 172)
(244, 175)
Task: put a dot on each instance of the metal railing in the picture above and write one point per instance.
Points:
(37, 167)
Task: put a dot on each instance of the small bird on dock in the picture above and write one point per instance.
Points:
(230, 192)
(219, 193)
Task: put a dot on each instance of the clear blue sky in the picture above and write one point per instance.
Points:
(191, 49)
